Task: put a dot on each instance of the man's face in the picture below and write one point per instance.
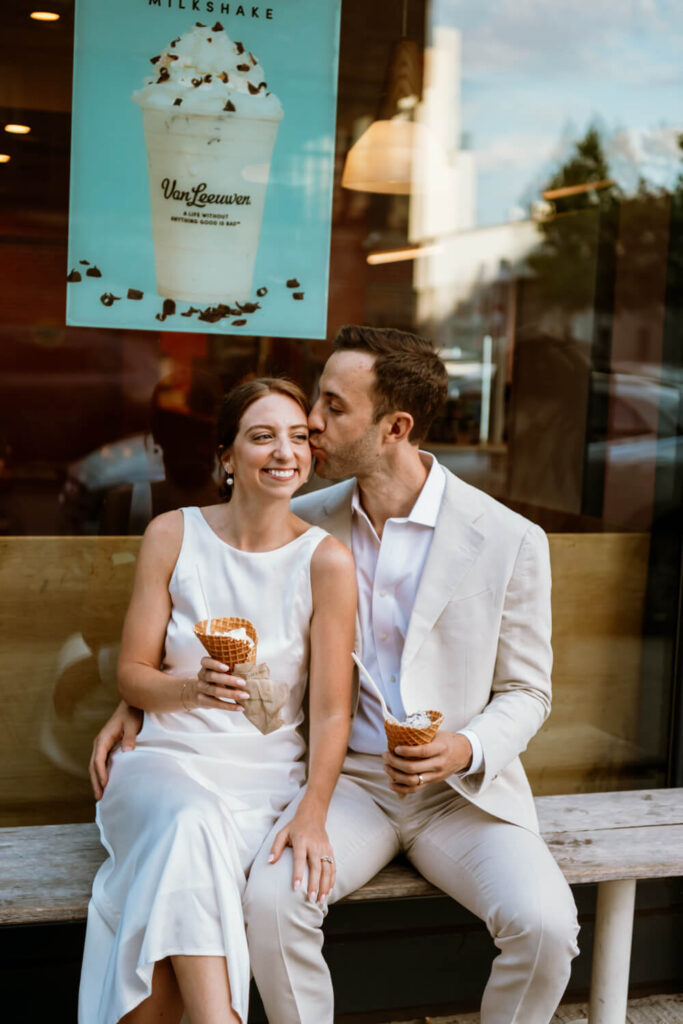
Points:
(345, 440)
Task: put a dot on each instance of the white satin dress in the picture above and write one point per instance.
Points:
(184, 814)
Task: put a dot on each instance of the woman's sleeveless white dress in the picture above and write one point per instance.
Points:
(184, 814)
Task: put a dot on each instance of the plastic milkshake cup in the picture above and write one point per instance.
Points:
(210, 127)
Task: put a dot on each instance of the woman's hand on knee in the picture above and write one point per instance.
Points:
(312, 854)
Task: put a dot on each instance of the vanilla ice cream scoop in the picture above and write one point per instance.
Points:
(418, 720)
(205, 72)
(236, 634)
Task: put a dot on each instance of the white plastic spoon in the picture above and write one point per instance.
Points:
(385, 710)
(209, 620)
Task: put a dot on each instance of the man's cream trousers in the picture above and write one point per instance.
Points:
(502, 873)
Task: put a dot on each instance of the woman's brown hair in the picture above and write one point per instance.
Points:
(236, 403)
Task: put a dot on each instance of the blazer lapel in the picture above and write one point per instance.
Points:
(455, 546)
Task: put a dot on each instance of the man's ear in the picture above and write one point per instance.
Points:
(398, 427)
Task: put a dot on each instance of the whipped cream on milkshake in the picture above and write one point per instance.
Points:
(210, 123)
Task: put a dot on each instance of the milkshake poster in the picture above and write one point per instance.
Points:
(202, 160)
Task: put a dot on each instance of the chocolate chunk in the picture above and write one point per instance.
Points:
(73, 277)
(198, 24)
(297, 295)
(163, 75)
(207, 78)
(153, 60)
(191, 311)
(261, 292)
(134, 293)
(217, 27)
(93, 272)
(174, 41)
(171, 56)
(224, 76)
(208, 39)
(293, 283)
(230, 107)
(238, 323)
(177, 102)
(108, 299)
(253, 89)
(252, 58)
(196, 82)
(84, 263)
(239, 48)
(243, 67)
(248, 307)
(168, 309)
(211, 315)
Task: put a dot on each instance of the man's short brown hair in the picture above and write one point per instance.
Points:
(409, 375)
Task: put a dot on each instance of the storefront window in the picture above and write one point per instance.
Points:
(508, 182)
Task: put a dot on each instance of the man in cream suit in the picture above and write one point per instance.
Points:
(454, 614)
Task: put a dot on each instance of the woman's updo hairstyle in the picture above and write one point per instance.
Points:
(236, 403)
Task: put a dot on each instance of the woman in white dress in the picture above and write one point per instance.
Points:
(184, 814)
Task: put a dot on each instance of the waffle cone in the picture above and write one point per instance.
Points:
(225, 648)
(404, 735)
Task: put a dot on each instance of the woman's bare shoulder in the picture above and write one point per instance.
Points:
(332, 556)
(163, 538)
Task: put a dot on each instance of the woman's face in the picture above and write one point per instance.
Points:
(270, 455)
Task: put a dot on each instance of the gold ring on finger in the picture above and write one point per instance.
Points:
(328, 860)
(420, 780)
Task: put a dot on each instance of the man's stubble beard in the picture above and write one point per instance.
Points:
(355, 458)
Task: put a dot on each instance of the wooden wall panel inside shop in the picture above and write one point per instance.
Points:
(62, 603)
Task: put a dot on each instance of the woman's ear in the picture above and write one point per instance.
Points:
(225, 459)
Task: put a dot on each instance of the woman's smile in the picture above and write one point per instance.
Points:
(280, 474)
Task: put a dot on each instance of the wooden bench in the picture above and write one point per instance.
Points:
(613, 839)
(592, 740)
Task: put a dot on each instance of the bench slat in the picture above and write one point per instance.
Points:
(654, 851)
(629, 809)
(46, 871)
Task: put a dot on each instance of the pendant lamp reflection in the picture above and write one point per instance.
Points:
(391, 156)
(396, 157)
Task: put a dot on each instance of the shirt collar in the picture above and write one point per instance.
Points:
(425, 511)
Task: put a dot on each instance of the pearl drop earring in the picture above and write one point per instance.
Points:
(229, 479)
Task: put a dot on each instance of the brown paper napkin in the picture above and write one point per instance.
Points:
(266, 697)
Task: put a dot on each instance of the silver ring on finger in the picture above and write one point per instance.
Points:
(328, 860)
(420, 780)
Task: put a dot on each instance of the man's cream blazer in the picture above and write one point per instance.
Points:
(478, 641)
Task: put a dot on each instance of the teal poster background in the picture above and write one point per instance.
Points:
(296, 42)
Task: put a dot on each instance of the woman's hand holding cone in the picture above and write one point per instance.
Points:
(214, 687)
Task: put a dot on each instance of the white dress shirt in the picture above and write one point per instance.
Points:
(388, 573)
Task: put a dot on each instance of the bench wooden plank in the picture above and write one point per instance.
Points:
(628, 809)
(654, 851)
(46, 871)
